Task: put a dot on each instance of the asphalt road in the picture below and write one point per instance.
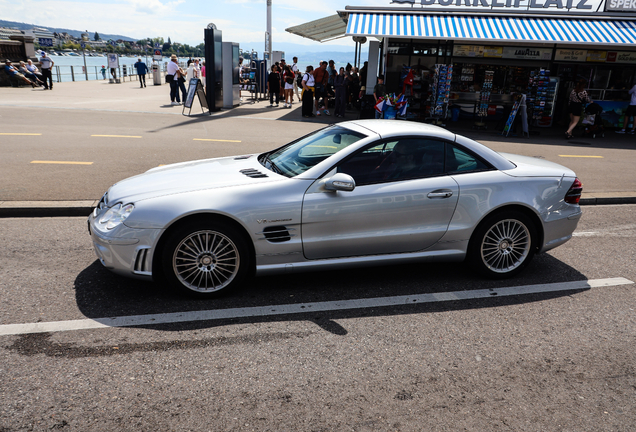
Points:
(549, 361)
(73, 143)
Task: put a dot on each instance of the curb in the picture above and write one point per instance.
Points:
(39, 209)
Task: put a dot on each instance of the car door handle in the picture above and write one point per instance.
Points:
(445, 194)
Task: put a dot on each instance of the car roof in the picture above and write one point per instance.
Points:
(388, 128)
(391, 128)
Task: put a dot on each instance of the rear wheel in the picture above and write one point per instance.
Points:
(206, 259)
(502, 245)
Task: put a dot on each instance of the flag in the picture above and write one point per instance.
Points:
(402, 109)
(401, 101)
(381, 105)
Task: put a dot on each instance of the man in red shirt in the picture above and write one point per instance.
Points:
(321, 77)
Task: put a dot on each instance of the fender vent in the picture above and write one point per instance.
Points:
(251, 172)
(141, 262)
(277, 234)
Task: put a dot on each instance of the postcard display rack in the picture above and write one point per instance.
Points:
(542, 97)
(484, 99)
(441, 91)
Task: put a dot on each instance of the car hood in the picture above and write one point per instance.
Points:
(527, 166)
(191, 176)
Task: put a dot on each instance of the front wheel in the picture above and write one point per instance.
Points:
(502, 245)
(206, 259)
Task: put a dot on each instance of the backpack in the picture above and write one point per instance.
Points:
(299, 80)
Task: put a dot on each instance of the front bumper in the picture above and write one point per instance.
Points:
(123, 250)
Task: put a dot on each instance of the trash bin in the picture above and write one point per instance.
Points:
(156, 73)
(455, 113)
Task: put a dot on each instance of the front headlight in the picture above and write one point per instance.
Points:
(116, 215)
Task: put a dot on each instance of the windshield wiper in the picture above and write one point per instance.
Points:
(272, 165)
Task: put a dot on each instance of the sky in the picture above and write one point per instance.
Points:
(242, 21)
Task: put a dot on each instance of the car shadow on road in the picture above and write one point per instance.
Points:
(100, 293)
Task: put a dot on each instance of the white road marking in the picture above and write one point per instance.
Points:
(210, 315)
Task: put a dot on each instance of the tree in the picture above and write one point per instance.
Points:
(96, 36)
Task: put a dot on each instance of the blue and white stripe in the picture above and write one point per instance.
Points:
(492, 28)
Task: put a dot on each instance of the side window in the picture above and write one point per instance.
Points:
(405, 159)
(458, 160)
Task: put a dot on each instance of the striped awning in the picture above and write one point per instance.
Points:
(493, 28)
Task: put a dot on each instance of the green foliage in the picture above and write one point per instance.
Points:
(96, 36)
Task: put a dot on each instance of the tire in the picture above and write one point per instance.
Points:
(502, 245)
(206, 259)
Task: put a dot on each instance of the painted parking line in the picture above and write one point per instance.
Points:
(20, 134)
(215, 140)
(117, 136)
(274, 310)
(582, 156)
(62, 162)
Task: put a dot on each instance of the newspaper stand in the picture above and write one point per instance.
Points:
(195, 88)
(484, 100)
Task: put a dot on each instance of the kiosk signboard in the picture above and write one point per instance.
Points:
(570, 55)
(538, 5)
(620, 6)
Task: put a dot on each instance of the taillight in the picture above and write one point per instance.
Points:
(574, 193)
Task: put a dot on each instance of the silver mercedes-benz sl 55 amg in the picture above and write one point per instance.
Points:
(365, 192)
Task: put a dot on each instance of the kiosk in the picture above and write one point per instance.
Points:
(231, 82)
(214, 67)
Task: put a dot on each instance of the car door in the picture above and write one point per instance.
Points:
(395, 207)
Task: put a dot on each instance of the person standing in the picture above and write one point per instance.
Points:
(320, 79)
(273, 85)
(281, 70)
(578, 97)
(340, 84)
(630, 114)
(203, 73)
(47, 66)
(172, 77)
(307, 96)
(103, 71)
(379, 91)
(331, 75)
(296, 72)
(288, 79)
(142, 70)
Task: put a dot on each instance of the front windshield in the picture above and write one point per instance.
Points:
(298, 156)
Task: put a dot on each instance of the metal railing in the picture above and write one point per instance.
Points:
(78, 73)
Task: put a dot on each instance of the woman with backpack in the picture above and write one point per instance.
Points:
(288, 79)
(308, 93)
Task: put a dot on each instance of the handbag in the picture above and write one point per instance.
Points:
(169, 79)
(289, 80)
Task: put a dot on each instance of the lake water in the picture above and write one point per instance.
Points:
(72, 67)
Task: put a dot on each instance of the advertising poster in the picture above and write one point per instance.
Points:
(113, 61)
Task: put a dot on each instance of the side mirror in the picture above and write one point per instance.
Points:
(340, 182)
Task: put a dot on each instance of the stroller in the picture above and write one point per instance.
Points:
(592, 121)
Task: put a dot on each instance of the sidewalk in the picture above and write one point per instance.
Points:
(128, 97)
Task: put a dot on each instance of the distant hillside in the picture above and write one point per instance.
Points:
(75, 33)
